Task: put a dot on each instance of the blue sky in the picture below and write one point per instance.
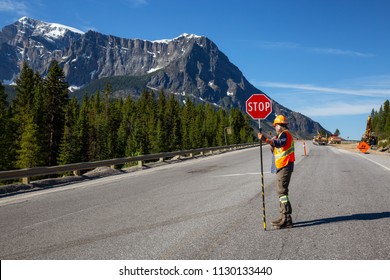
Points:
(327, 59)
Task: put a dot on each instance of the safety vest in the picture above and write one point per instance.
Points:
(284, 155)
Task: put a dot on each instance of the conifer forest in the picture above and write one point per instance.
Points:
(43, 126)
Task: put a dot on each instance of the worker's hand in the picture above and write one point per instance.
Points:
(261, 136)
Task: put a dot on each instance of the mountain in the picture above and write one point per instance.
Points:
(187, 66)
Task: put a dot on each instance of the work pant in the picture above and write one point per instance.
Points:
(283, 177)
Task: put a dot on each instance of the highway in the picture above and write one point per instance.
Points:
(209, 208)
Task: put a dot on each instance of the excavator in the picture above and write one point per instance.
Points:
(320, 139)
(369, 136)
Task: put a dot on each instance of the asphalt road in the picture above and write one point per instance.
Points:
(209, 208)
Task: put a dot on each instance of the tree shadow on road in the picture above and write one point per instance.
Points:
(353, 217)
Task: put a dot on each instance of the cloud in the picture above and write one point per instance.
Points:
(340, 52)
(326, 51)
(136, 3)
(307, 88)
(17, 7)
(337, 109)
(320, 101)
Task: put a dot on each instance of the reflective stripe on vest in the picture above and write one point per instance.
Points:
(285, 154)
(283, 199)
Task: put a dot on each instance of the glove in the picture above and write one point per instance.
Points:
(261, 136)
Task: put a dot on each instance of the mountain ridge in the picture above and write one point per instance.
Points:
(188, 65)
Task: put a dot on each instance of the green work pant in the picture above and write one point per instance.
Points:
(283, 177)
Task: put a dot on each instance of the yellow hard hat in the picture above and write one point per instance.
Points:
(280, 120)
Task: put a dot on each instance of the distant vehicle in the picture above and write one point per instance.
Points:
(334, 139)
(320, 139)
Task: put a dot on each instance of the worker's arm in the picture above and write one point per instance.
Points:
(275, 142)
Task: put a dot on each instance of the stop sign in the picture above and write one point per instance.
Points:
(258, 106)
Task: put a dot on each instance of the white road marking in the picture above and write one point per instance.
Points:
(377, 163)
(241, 174)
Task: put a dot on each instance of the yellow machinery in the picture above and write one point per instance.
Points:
(320, 139)
(369, 136)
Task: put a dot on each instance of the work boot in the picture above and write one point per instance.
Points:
(286, 222)
(278, 221)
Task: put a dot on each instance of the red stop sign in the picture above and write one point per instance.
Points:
(258, 106)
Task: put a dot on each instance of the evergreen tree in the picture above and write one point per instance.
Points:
(211, 126)
(160, 143)
(223, 124)
(126, 129)
(28, 154)
(197, 128)
(109, 122)
(56, 100)
(380, 121)
(39, 114)
(7, 135)
(25, 112)
(236, 123)
(70, 144)
(187, 118)
(173, 125)
(23, 102)
(94, 112)
(143, 124)
(83, 129)
(246, 132)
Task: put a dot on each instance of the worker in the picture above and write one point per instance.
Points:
(282, 147)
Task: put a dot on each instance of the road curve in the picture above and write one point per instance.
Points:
(209, 208)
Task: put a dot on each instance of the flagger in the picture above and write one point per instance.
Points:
(282, 147)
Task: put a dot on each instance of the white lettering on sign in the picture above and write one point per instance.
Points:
(259, 106)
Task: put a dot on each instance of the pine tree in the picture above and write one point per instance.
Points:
(187, 118)
(7, 135)
(210, 124)
(28, 154)
(174, 125)
(22, 105)
(380, 121)
(39, 114)
(236, 123)
(94, 112)
(70, 143)
(126, 129)
(24, 98)
(25, 111)
(160, 143)
(197, 128)
(144, 126)
(83, 127)
(223, 123)
(56, 100)
(108, 124)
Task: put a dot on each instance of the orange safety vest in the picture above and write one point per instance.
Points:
(284, 155)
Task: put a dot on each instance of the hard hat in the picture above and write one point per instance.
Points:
(280, 120)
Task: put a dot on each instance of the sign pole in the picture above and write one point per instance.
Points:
(262, 178)
(259, 107)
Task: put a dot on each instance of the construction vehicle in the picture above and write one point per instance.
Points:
(369, 136)
(334, 139)
(320, 139)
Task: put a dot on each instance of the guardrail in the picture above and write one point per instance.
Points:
(27, 173)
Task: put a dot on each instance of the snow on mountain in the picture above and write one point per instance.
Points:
(185, 35)
(47, 30)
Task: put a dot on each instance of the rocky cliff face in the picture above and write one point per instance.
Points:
(188, 65)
